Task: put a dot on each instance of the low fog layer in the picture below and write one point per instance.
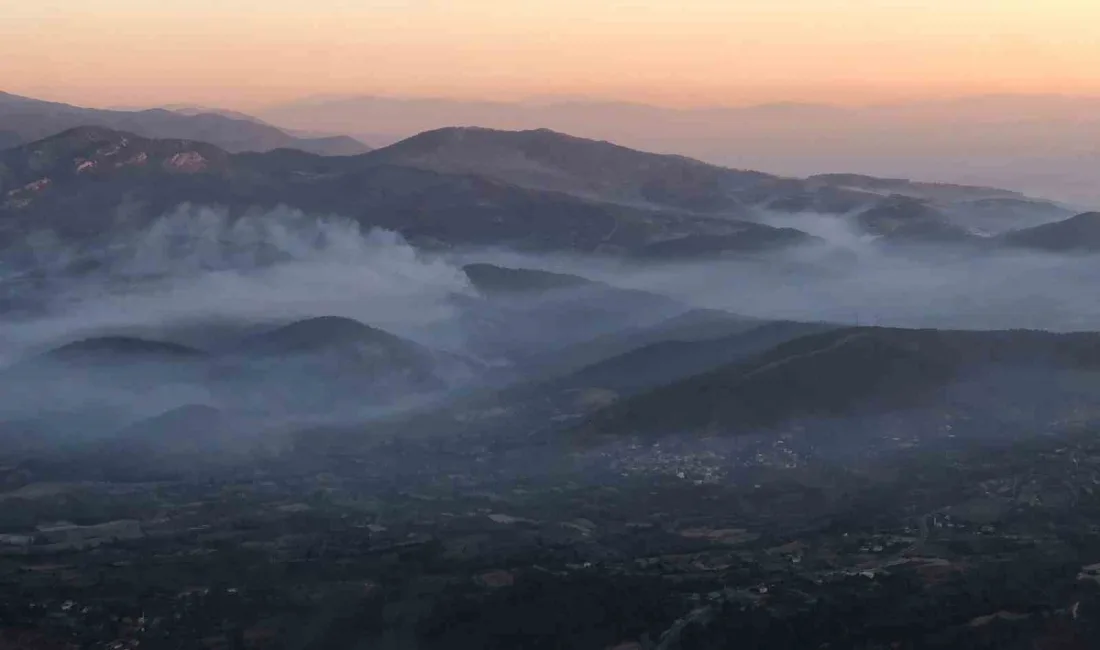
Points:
(197, 268)
(280, 321)
(854, 279)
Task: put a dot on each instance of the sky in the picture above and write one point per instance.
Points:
(250, 53)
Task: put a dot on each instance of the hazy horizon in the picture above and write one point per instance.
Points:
(779, 102)
(1043, 145)
(1002, 93)
(684, 54)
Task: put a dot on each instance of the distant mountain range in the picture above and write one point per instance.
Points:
(25, 120)
(535, 190)
(1043, 145)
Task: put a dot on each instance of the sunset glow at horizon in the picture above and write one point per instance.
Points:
(242, 53)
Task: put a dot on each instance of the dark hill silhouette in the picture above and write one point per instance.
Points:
(331, 359)
(670, 360)
(121, 349)
(843, 373)
(907, 219)
(998, 215)
(84, 389)
(522, 315)
(751, 238)
(691, 325)
(653, 357)
(320, 333)
(489, 278)
(570, 393)
(1076, 234)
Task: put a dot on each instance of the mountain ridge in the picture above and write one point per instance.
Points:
(1077, 234)
(420, 203)
(1027, 143)
(447, 187)
(28, 120)
(884, 370)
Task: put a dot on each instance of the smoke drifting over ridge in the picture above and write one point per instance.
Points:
(198, 266)
(162, 323)
(854, 278)
(418, 328)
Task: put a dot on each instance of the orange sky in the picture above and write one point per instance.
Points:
(243, 53)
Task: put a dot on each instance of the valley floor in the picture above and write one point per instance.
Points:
(639, 547)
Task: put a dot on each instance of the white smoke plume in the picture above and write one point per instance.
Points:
(198, 266)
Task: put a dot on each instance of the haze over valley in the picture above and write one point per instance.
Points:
(671, 328)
